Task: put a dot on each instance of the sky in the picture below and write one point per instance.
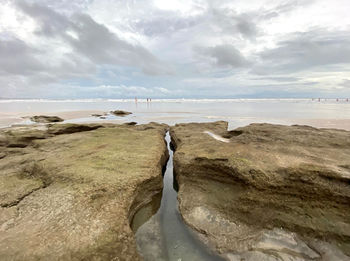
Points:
(174, 49)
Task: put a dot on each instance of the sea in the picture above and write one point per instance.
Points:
(237, 112)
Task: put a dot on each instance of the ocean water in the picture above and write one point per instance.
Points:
(238, 112)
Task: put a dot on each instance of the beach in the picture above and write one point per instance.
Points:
(237, 112)
(174, 130)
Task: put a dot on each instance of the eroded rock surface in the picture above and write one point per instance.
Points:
(68, 191)
(265, 192)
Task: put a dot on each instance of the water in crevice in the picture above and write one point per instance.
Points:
(162, 234)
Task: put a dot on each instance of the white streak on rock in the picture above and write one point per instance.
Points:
(217, 137)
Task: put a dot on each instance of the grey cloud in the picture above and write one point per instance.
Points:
(307, 51)
(50, 22)
(196, 42)
(22, 63)
(103, 47)
(94, 41)
(247, 24)
(63, 6)
(282, 8)
(212, 19)
(278, 79)
(165, 23)
(345, 83)
(224, 55)
(18, 58)
(230, 22)
(246, 27)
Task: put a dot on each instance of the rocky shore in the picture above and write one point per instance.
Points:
(261, 192)
(68, 191)
(265, 192)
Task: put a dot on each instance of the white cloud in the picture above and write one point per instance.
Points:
(173, 47)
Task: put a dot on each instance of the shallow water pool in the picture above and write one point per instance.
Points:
(160, 231)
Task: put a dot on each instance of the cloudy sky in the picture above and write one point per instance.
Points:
(174, 48)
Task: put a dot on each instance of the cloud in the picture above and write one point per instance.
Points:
(230, 22)
(278, 79)
(64, 6)
(224, 55)
(164, 23)
(312, 50)
(208, 18)
(284, 7)
(25, 72)
(175, 48)
(18, 58)
(345, 83)
(95, 41)
(92, 40)
(50, 22)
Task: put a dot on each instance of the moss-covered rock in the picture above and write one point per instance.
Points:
(70, 193)
(237, 192)
(121, 113)
(45, 119)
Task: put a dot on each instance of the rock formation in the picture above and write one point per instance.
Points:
(45, 119)
(121, 113)
(265, 192)
(261, 192)
(69, 191)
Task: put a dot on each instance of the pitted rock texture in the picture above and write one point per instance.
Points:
(69, 191)
(265, 192)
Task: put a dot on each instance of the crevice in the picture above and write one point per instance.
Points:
(32, 171)
(232, 133)
(22, 139)
(143, 195)
(59, 129)
(147, 190)
(18, 200)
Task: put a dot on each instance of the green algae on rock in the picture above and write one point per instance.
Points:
(271, 192)
(69, 193)
(45, 119)
(121, 113)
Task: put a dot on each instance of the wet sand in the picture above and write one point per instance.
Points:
(8, 119)
(326, 123)
(84, 116)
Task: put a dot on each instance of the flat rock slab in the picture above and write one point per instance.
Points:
(265, 192)
(69, 191)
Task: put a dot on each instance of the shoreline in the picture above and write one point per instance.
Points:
(85, 116)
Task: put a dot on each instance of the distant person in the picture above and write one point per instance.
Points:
(135, 99)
